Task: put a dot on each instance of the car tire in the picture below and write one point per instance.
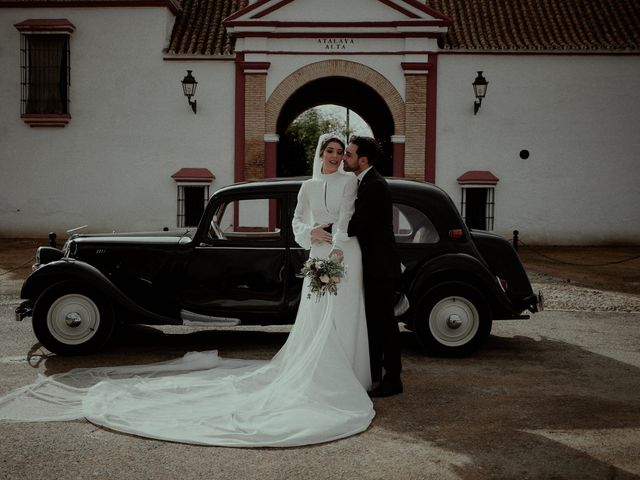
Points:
(452, 319)
(70, 319)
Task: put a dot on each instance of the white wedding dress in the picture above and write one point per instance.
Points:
(312, 391)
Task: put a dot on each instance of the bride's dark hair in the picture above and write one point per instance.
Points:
(326, 142)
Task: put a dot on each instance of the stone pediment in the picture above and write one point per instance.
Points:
(337, 18)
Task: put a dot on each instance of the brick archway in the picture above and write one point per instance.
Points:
(335, 68)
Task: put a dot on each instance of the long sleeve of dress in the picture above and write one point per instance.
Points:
(301, 223)
(347, 207)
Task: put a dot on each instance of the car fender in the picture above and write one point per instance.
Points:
(68, 269)
(464, 268)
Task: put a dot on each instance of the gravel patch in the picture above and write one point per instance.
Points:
(562, 295)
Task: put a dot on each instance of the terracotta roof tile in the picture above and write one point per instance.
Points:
(198, 28)
(541, 25)
(590, 26)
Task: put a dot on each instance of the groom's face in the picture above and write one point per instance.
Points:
(351, 162)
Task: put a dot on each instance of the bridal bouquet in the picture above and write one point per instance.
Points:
(325, 275)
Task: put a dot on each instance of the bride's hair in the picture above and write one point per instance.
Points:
(324, 140)
(327, 141)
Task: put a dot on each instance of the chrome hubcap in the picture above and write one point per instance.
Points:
(73, 319)
(454, 321)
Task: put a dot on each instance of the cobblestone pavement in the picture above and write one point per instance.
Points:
(562, 295)
(555, 396)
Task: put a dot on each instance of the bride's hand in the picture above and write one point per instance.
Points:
(319, 234)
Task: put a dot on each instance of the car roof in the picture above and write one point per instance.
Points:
(400, 187)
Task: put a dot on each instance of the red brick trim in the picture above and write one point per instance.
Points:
(244, 11)
(239, 119)
(428, 10)
(398, 8)
(270, 158)
(46, 120)
(407, 66)
(398, 159)
(255, 66)
(336, 25)
(554, 53)
(432, 106)
(45, 25)
(193, 175)
(442, 19)
(170, 4)
(341, 53)
(267, 11)
(478, 177)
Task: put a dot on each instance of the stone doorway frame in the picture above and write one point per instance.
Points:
(257, 116)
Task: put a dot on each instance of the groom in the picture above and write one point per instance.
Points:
(372, 224)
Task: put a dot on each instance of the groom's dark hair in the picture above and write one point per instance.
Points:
(367, 147)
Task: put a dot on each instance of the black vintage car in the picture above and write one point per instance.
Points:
(241, 266)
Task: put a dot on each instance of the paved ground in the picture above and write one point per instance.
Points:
(606, 268)
(555, 396)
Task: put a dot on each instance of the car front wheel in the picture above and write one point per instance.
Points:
(453, 319)
(69, 319)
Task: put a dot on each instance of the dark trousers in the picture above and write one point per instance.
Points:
(384, 334)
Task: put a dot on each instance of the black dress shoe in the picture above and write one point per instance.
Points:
(387, 388)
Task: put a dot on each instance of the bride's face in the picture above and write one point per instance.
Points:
(331, 157)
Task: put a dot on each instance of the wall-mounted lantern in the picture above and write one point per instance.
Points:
(189, 85)
(480, 89)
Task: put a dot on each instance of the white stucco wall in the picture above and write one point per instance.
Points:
(131, 127)
(578, 116)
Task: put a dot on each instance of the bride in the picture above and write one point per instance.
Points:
(312, 391)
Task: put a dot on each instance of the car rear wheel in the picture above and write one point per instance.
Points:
(70, 319)
(453, 319)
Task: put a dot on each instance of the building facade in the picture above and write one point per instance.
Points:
(551, 152)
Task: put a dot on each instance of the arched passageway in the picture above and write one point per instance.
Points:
(343, 91)
(345, 83)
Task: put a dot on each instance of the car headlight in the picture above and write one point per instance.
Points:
(46, 255)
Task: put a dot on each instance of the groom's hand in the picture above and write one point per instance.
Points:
(337, 253)
(319, 234)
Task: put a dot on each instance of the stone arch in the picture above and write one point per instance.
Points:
(335, 68)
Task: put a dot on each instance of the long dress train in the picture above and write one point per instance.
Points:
(312, 391)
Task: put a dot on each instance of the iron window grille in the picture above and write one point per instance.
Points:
(192, 200)
(477, 207)
(45, 73)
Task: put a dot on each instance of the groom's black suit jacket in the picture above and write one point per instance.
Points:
(372, 223)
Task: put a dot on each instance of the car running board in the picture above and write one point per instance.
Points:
(197, 319)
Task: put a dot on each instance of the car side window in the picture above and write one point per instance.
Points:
(247, 219)
(412, 226)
